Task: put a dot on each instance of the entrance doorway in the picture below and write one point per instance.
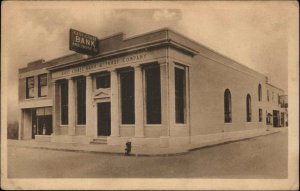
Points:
(103, 113)
(34, 123)
(276, 118)
(41, 121)
(282, 120)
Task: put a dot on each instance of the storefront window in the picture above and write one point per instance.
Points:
(30, 87)
(44, 121)
(43, 88)
(153, 97)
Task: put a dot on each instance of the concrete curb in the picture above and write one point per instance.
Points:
(232, 141)
(141, 153)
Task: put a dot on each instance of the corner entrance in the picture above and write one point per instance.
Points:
(103, 113)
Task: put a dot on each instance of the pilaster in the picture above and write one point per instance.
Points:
(36, 86)
(21, 124)
(89, 106)
(115, 121)
(54, 106)
(171, 88)
(139, 103)
(164, 98)
(71, 107)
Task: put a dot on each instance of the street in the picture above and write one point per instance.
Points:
(260, 157)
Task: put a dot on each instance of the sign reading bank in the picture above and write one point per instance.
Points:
(83, 43)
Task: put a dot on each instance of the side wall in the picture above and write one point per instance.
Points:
(209, 80)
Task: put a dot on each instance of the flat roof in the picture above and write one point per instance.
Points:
(118, 42)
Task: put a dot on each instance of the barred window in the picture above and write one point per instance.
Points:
(81, 101)
(179, 95)
(42, 85)
(153, 99)
(259, 93)
(64, 102)
(103, 80)
(248, 108)
(227, 106)
(127, 96)
(260, 115)
(30, 87)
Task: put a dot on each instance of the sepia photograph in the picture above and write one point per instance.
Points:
(150, 95)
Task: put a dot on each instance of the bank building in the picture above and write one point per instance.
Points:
(159, 89)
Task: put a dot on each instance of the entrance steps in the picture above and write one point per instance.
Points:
(99, 140)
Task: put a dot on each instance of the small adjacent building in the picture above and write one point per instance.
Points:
(158, 89)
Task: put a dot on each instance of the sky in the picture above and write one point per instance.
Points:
(254, 34)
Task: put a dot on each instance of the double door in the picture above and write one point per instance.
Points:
(276, 118)
(104, 120)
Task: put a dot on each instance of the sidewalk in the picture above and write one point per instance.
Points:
(112, 149)
(97, 148)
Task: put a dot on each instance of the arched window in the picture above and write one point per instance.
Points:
(227, 106)
(259, 92)
(248, 107)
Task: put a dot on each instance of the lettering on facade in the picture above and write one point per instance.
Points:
(103, 64)
(83, 43)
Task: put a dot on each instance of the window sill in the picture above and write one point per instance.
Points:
(36, 98)
(127, 125)
(28, 99)
(180, 124)
(41, 97)
(153, 125)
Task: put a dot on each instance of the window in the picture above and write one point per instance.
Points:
(103, 80)
(248, 108)
(260, 115)
(268, 118)
(42, 86)
(127, 96)
(153, 99)
(227, 106)
(81, 101)
(272, 96)
(259, 93)
(30, 87)
(179, 95)
(64, 102)
(278, 99)
(268, 95)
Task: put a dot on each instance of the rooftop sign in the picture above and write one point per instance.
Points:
(83, 43)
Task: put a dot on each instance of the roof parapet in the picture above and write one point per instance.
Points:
(35, 63)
